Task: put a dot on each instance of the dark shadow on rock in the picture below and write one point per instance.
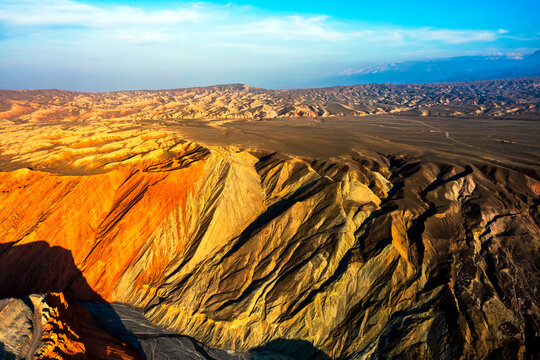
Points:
(156, 342)
(6, 355)
(287, 349)
(38, 268)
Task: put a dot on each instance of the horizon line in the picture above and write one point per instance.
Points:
(269, 89)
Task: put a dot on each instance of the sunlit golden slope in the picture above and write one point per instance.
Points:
(368, 256)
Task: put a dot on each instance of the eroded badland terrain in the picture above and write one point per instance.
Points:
(229, 222)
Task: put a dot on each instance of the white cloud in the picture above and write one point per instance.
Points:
(452, 36)
(145, 37)
(71, 13)
(257, 48)
(204, 40)
(219, 21)
(321, 28)
(404, 36)
(372, 69)
(314, 28)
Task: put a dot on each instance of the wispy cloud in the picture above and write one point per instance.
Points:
(451, 36)
(220, 21)
(35, 13)
(290, 28)
(211, 40)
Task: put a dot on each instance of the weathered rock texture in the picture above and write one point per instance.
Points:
(361, 257)
(47, 327)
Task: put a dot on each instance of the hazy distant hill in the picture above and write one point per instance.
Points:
(464, 68)
(509, 98)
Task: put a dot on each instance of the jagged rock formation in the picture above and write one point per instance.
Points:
(493, 98)
(47, 327)
(129, 240)
(362, 257)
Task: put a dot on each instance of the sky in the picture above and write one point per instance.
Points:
(125, 45)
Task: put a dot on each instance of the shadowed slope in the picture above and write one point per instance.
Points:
(55, 327)
(361, 256)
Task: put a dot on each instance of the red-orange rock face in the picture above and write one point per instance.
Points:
(237, 249)
(68, 332)
(103, 220)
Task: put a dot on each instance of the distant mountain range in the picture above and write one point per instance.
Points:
(463, 68)
(515, 98)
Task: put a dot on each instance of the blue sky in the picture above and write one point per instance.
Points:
(117, 45)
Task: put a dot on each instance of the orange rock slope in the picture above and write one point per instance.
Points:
(365, 256)
(103, 220)
(68, 332)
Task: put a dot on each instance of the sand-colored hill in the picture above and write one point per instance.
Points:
(495, 98)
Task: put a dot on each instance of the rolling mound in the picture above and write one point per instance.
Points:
(513, 98)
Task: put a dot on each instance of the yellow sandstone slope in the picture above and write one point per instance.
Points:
(378, 256)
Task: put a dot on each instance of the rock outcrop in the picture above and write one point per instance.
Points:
(360, 257)
(42, 326)
(46, 326)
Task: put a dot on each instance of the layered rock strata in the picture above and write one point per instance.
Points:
(357, 257)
